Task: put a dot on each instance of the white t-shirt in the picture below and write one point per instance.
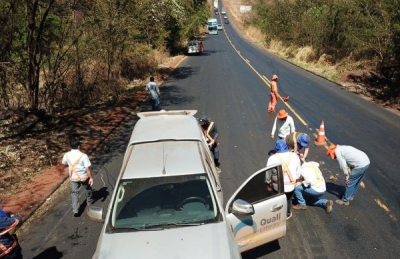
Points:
(294, 166)
(284, 127)
(84, 162)
(313, 176)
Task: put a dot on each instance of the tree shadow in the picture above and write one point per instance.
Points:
(51, 252)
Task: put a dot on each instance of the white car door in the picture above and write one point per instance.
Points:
(256, 212)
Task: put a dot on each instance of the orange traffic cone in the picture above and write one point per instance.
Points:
(321, 141)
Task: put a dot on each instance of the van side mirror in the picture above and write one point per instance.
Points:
(242, 207)
(95, 213)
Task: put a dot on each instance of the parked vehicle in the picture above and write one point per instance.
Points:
(212, 25)
(168, 200)
(194, 47)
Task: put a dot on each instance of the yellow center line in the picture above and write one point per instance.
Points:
(265, 80)
(268, 83)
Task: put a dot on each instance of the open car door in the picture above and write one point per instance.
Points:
(257, 212)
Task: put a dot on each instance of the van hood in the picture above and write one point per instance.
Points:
(205, 241)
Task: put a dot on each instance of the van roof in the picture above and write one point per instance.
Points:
(165, 143)
(163, 159)
(164, 125)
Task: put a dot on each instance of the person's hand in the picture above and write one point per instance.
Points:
(91, 181)
(272, 136)
(269, 188)
(347, 180)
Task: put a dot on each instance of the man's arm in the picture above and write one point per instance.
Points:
(273, 129)
(89, 172)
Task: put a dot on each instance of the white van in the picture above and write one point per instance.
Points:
(168, 201)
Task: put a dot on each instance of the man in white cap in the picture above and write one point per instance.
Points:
(284, 123)
(274, 95)
(311, 188)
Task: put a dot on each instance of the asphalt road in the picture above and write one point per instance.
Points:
(226, 83)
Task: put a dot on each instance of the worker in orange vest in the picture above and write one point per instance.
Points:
(9, 246)
(274, 95)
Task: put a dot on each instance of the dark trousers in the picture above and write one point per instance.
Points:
(14, 254)
(289, 197)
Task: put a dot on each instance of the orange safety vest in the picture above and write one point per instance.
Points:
(286, 170)
(73, 170)
(14, 244)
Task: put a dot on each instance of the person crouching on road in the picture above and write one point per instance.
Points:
(80, 174)
(291, 171)
(311, 188)
(284, 123)
(296, 141)
(9, 246)
(354, 164)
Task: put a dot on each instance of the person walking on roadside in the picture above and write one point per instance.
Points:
(274, 95)
(154, 92)
(311, 187)
(354, 164)
(296, 141)
(9, 246)
(291, 171)
(284, 123)
(80, 174)
(211, 133)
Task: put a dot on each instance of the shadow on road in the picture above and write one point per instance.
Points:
(51, 252)
(262, 250)
(337, 190)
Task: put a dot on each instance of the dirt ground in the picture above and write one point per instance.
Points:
(30, 142)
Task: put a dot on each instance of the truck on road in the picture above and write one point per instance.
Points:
(212, 26)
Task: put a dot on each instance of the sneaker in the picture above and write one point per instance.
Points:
(299, 207)
(341, 202)
(76, 214)
(289, 216)
(329, 206)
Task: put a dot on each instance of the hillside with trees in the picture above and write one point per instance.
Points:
(61, 54)
(343, 40)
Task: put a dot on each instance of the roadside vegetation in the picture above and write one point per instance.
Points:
(64, 60)
(342, 40)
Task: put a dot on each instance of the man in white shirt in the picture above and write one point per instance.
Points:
(284, 123)
(154, 92)
(311, 188)
(354, 164)
(291, 171)
(80, 174)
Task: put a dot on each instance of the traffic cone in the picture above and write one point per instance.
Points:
(321, 141)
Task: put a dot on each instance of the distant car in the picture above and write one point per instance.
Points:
(168, 201)
(223, 11)
(219, 26)
(226, 21)
(216, 11)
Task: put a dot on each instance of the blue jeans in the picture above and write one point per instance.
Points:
(155, 104)
(308, 196)
(355, 179)
(75, 186)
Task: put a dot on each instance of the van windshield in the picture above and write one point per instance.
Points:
(163, 202)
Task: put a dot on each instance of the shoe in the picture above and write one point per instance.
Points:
(299, 207)
(341, 202)
(329, 206)
(76, 214)
(218, 170)
(289, 216)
